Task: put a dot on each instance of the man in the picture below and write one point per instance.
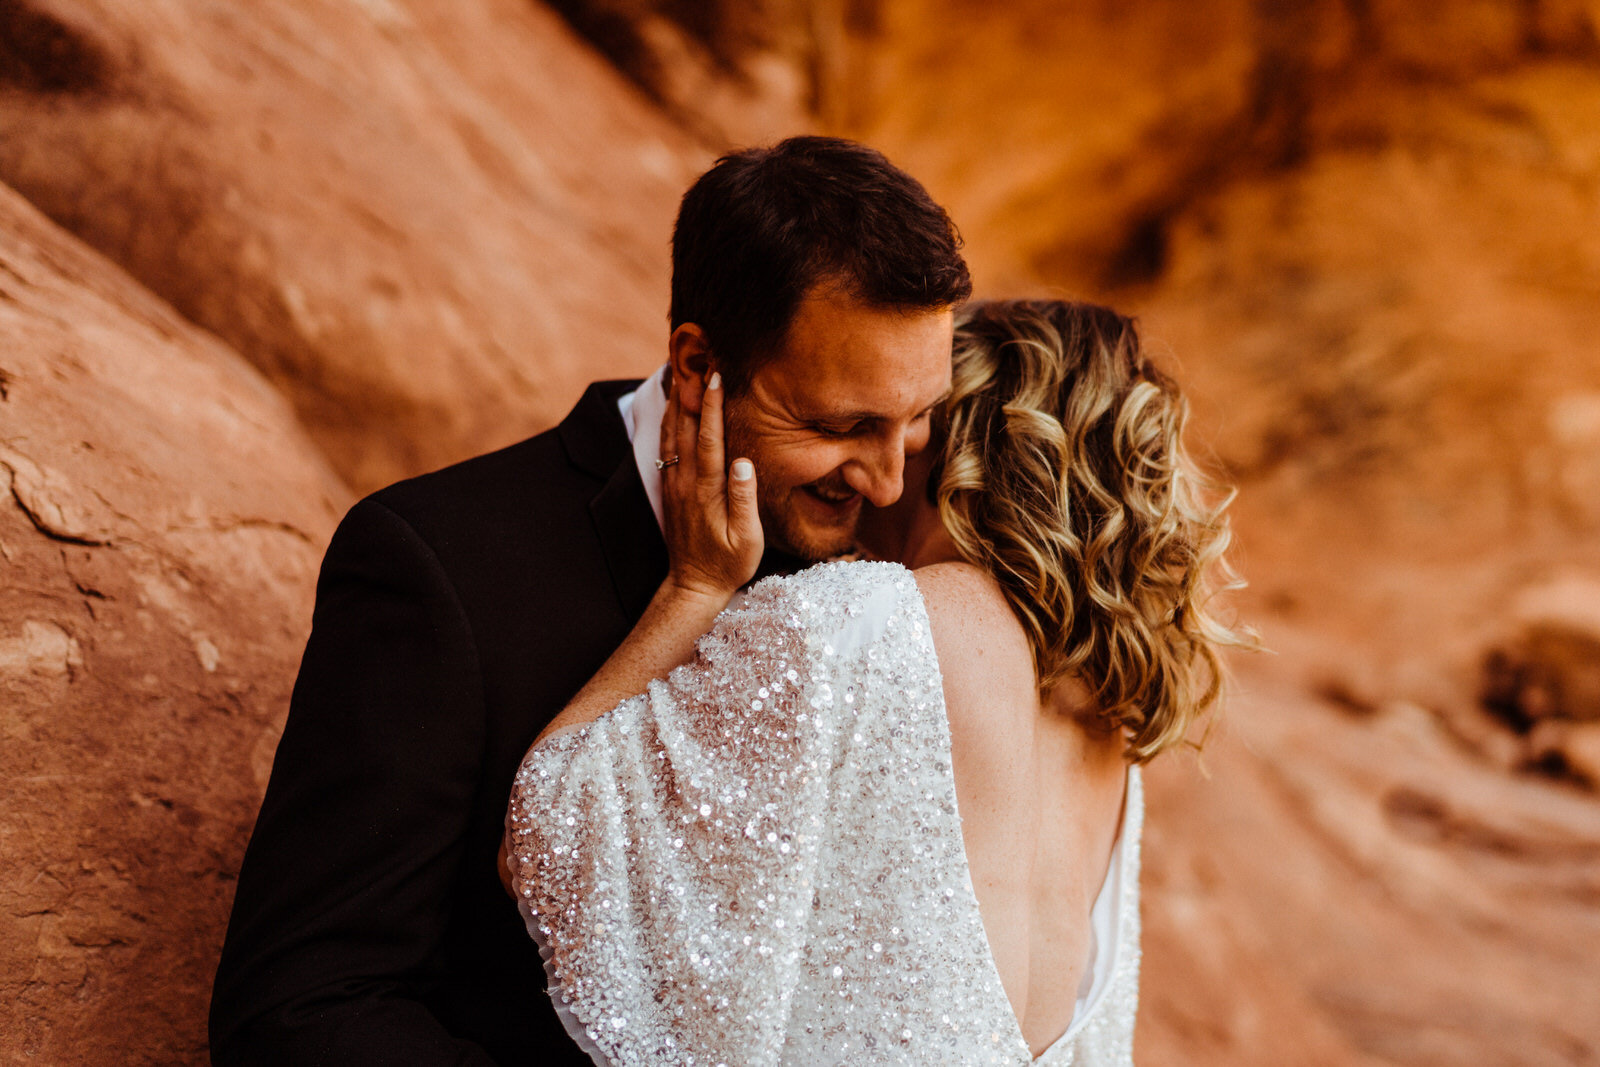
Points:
(458, 612)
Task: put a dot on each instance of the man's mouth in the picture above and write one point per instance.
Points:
(840, 500)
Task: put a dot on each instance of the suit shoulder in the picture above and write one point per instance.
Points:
(539, 473)
(516, 469)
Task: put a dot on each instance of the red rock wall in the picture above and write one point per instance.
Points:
(395, 232)
(162, 516)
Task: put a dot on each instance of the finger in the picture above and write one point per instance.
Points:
(668, 438)
(744, 519)
(708, 446)
(668, 448)
(687, 430)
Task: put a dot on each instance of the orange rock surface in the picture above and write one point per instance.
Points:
(1365, 234)
(162, 516)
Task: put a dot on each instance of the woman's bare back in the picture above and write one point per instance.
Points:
(1040, 796)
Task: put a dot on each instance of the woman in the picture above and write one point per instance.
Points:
(890, 812)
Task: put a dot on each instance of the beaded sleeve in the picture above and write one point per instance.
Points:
(663, 855)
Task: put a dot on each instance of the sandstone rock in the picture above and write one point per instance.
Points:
(428, 223)
(1366, 233)
(736, 72)
(1562, 748)
(1570, 601)
(1580, 752)
(162, 516)
(1363, 888)
(1547, 669)
(1058, 135)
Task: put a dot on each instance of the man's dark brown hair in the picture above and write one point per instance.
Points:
(764, 226)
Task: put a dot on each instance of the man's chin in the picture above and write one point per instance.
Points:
(811, 543)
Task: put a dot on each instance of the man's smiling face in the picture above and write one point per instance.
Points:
(829, 420)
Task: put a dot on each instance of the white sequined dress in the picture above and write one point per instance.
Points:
(759, 861)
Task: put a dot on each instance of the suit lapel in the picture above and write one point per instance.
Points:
(593, 434)
(597, 444)
(635, 552)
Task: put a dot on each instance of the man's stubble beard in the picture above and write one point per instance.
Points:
(779, 527)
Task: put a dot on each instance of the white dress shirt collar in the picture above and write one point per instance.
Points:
(642, 411)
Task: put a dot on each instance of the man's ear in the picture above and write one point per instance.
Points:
(689, 353)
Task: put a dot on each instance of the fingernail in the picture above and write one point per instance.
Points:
(743, 470)
(716, 380)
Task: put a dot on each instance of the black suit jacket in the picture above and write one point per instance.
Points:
(456, 614)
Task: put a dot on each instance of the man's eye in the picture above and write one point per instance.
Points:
(837, 429)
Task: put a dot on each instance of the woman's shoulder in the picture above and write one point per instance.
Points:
(985, 661)
(958, 583)
(971, 619)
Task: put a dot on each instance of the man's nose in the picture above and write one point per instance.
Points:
(878, 472)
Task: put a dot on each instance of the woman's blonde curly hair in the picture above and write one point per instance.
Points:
(1064, 474)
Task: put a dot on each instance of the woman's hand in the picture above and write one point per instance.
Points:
(714, 544)
(713, 532)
